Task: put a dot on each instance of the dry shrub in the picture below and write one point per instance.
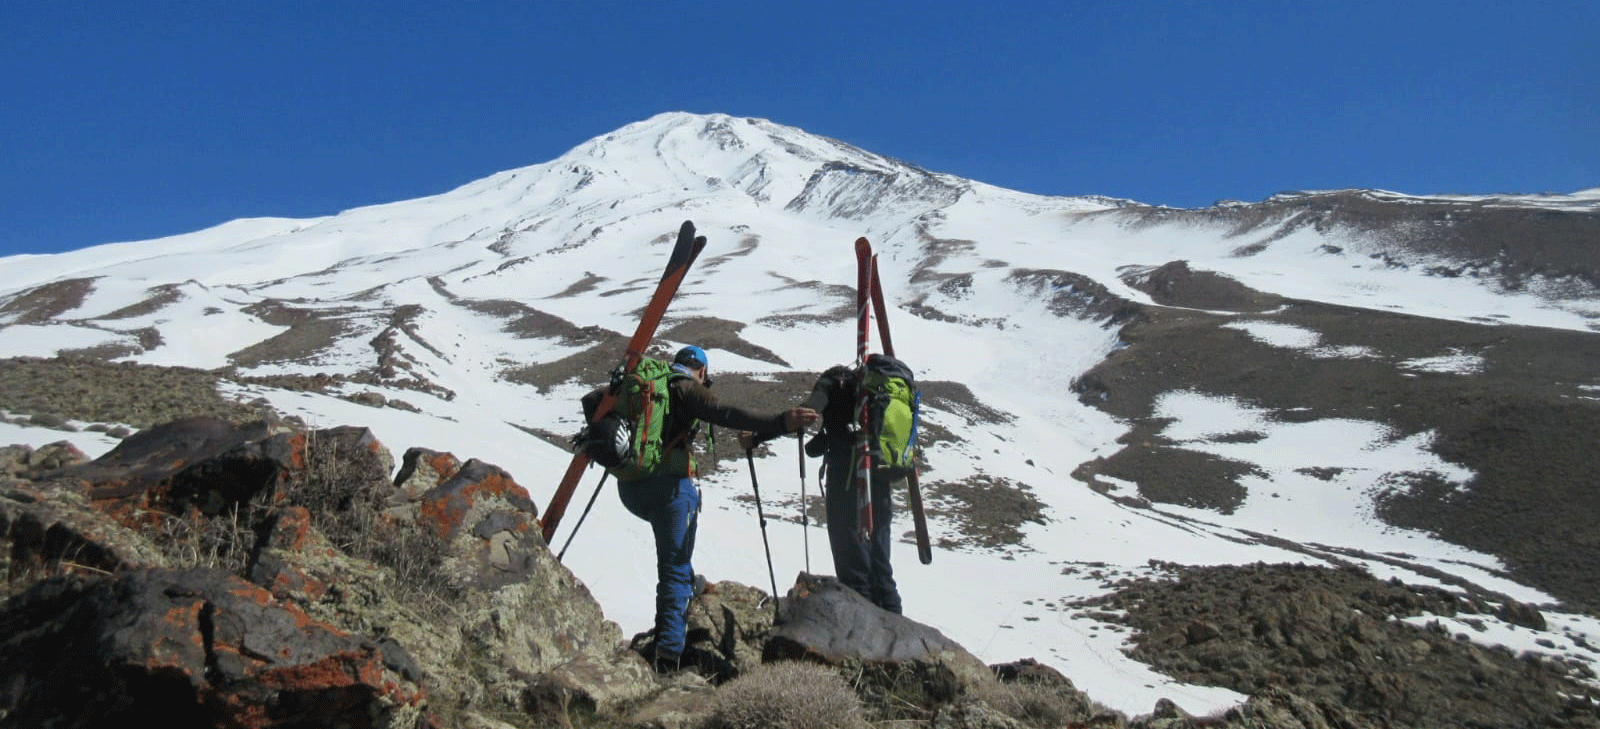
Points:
(1040, 704)
(225, 541)
(346, 494)
(787, 695)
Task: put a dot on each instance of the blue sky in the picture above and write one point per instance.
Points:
(135, 120)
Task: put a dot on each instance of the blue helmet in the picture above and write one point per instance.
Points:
(692, 357)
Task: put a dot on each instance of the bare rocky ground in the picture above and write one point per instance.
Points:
(1334, 637)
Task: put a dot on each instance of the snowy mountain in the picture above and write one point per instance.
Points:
(1406, 384)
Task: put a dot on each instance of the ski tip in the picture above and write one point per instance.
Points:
(686, 231)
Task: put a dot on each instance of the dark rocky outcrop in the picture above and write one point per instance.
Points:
(194, 647)
(281, 577)
(822, 619)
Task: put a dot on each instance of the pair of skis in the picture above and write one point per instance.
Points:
(683, 256)
(870, 290)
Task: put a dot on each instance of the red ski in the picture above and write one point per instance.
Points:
(863, 479)
(683, 256)
(919, 520)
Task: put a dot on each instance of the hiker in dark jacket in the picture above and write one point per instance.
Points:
(863, 565)
(669, 499)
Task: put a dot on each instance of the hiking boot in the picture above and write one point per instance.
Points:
(667, 661)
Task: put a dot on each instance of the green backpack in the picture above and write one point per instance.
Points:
(627, 441)
(893, 409)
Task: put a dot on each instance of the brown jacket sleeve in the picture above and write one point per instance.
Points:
(698, 401)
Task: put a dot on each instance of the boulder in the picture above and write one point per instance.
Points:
(206, 466)
(47, 531)
(489, 525)
(729, 624)
(823, 620)
(296, 563)
(23, 461)
(193, 647)
(141, 474)
(422, 469)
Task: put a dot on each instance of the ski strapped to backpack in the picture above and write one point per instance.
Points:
(919, 519)
(683, 256)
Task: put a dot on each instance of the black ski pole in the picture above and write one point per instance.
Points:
(805, 518)
(582, 516)
(750, 458)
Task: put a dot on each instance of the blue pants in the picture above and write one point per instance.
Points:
(672, 506)
(862, 565)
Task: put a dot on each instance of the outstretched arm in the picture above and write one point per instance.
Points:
(701, 403)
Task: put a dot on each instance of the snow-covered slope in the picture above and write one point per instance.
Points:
(478, 307)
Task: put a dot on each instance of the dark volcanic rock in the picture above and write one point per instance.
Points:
(205, 466)
(146, 471)
(195, 648)
(822, 620)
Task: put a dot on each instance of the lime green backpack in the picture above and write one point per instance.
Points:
(627, 441)
(893, 409)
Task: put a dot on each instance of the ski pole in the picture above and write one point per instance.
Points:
(750, 458)
(583, 516)
(805, 518)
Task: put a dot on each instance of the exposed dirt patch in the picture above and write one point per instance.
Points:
(843, 298)
(42, 304)
(160, 297)
(144, 340)
(1331, 635)
(99, 392)
(591, 366)
(1173, 476)
(935, 251)
(747, 245)
(584, 285)
(957, 398)
(527, 322)
(1072, 295)
(1508, 245)
(713, 333)
(763, 394)
(309, 332)
(1175, 284)
(989, 510)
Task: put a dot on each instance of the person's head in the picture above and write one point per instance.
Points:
(693, 359)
